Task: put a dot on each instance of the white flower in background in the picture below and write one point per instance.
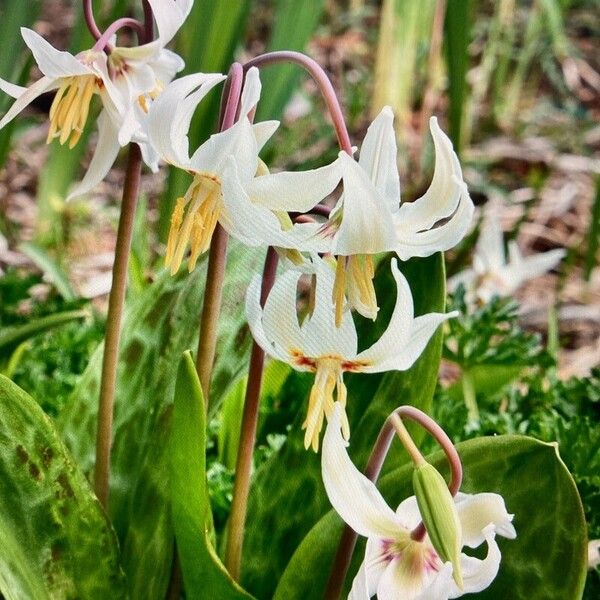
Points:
(396, 566)
(493, 273)
(126, 80)
(319, 346)
(224, 168)
(370, 218)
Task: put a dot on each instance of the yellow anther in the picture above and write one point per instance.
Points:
(339, 289)
(176, 220)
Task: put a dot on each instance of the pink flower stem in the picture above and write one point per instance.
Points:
(243, 467)
(148, 22)
(211, 308)
(103, 41)
(322, 80)
(343, 556)
(88, 15)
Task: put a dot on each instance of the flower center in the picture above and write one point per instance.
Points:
(70, 108)
(196, 226)
(328, 378)
(354, 279)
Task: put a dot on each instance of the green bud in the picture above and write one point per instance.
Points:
(439, 515)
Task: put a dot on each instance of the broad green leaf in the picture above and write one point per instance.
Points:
(159, 325)
(293, 25)
(283, 508)
(11, 337)
(204, 575)
(547, 560)
(56, 540)
(487, 379)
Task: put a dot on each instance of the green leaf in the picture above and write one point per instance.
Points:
(159, 325)
(547, 560)
(293, 25)
(282, 508)
(11, 337)
(56, 540)
(203, 573)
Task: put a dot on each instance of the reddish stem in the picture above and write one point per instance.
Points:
(88, 15)
(148, 22)
(103, 41)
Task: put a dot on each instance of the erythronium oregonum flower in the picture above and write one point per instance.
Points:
(396, 566)
(370, 218)
(495, 274)
(126, 79)
(321, 347)
(224, 170)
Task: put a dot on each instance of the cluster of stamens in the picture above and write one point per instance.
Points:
(354, 279)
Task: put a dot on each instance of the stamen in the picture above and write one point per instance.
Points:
(339, 288)
(176, 220)
(360, 288)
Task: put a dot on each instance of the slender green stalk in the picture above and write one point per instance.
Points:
(116, 301)
(243, 467)
(215, 275)
(470, 397)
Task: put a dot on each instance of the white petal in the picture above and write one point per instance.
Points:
(169, 16)
(37, 89)
(254, 314)
(351, 494)
(359, 589)
(171, 113)
(367, 226)
(250, 92)
(11, 89)
(533, 266)
(477, 511)
(263, 132)
(414, 239)
(440, 199)
(466, 278)
(105, 154)
(479, 574)
(408, 513)
(378, 158)
(295, 191)
(490, 243)
(166, 65)
(52, 62)
(321, 336)
(439, 585)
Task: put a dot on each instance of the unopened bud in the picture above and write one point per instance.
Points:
(439, 515)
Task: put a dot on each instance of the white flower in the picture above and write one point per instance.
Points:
(495, 274)
(370, 218)
(319, 346)
(126, 80)
(396, 566)
(224, 170)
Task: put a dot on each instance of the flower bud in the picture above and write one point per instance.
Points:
(439, 515)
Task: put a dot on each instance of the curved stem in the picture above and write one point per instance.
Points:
(318, 74)
(103, 41)
(88, 15)
(215, 274)
(341, 562)
(116, 300)
(148, 22)
(243, 467)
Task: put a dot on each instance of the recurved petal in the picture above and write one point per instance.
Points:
(352, 495)
(104, 157)
(477, 511)
(169, 16)
(27, 97)
(321, 336)
(479, 574)
(367, 225)
(378, 155)
(172, 111)
(415, 239)
(490, 243)
(52, 62)
(532, 266)
(11, 89)
(166, 65)
(250, 92)
(263, 132)
(295, 191)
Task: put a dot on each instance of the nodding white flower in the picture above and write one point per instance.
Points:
(493, 273)
(224, 170)
(395, 565)
(126, 80)
(321, 347)
(370, 218)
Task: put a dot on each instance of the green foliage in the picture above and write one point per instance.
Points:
(56, 540)
(203, 573)
(156, 331)
(547, 560)
(283, 508)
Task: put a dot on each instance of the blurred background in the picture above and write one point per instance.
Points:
(515, 83)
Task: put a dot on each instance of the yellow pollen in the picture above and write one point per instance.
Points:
(354, 280)
(196, 225)
(328, 378)
(339, 289)
(70, 108)
(152, 95)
